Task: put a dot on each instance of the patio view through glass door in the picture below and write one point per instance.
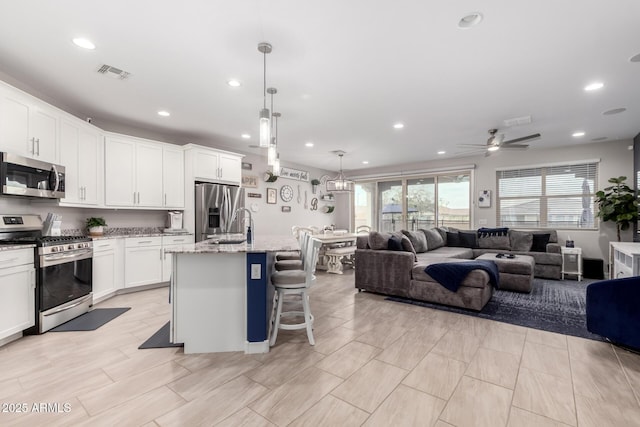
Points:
(414, 203)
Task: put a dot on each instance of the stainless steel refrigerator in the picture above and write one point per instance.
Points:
(215, 205)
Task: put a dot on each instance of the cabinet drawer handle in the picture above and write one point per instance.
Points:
(145, 241)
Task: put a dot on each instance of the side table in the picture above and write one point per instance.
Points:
(571, 262)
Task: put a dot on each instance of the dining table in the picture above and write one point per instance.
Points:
(332, 257)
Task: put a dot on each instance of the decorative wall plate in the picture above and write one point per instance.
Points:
(286, 193)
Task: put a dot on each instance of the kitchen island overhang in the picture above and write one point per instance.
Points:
(221, 295)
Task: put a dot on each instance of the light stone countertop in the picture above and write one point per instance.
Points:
(260, 244)
(123, 232)
(14, 247)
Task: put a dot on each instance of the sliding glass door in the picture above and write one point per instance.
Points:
(414, 203)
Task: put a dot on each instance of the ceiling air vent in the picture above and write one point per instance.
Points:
(517, 121)
(114, 72)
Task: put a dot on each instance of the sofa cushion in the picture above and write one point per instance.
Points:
(475, 279)
(520, 240)
(453, 239)
(448, 252)
(407, 246)
(443, 232)
(553, 234)
(434, 239)
(395, 244)
(379, 241)
(493, 238)
(539, 242)
(418, 240)
(468, 239)
(542, 258)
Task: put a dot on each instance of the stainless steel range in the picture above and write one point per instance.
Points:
(63, 270)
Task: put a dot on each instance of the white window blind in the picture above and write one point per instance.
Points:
(559, 196)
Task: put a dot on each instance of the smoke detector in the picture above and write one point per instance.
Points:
(113, 72)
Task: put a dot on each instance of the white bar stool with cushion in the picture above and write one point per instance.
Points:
(295, 264)
(297, 231)
(295, 282)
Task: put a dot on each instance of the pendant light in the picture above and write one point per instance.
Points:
(265, 114)
(340, 184)
(272, 150)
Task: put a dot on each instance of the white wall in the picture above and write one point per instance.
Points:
(615, 160)
(270, 219)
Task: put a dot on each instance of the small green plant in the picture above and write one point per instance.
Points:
(96, 222)
(270, 177)
(315, 181)
(617, 203)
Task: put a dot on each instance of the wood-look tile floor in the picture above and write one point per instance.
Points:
(375, 363)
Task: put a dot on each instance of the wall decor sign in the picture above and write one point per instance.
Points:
(272, 195)
(294, 174)
(484, 199)
(250, 181)
(247, 166)
(286, 209)
(255, 195)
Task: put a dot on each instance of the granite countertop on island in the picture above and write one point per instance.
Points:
(260, 244)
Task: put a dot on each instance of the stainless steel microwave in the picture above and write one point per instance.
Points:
(22, 176)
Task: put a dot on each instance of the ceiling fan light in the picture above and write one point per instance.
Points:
(493, 148)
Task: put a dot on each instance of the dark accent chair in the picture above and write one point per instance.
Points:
(613, 310)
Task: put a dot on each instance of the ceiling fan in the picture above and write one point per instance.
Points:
(496, 142)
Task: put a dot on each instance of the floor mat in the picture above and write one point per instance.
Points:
(91, 321)
(160, 339)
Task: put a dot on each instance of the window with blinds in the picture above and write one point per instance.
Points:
(548, 196)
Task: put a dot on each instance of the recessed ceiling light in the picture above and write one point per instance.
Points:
(594, 86)
(471, 20)
(308, 144)
(164, 113)
(577, 134)
(442, 152)
(234, 83)
(84, 43)
(365, 162)
(614, 111)
(398, 126)
(635, 58)
(245, 136)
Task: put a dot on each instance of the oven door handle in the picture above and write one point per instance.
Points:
(67, 307)
(48, 260)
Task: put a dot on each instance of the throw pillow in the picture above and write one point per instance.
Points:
(395, 244)
(520, 240)
(434, 239)
(407, 246)
(453, 239)
(418, 240)
(468, 239)
(493, 238)
(490, 232)
(443, 232)
(539, 242)
(379, 241)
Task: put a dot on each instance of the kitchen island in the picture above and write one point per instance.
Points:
(220, 294)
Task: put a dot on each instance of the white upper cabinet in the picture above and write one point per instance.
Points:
(28, 126)
(80, 155)
(214, 166)
(173, 177)
(143, 174)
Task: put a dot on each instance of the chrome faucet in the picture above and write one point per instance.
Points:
(251, 228)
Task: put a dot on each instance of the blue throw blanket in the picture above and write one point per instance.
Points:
(451, 274)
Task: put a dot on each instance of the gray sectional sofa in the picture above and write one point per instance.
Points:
(400, 271)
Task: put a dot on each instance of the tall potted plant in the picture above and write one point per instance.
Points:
(618, 203)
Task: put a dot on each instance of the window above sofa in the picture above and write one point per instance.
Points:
(551, 196)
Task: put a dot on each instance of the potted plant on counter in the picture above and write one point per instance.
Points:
(96, 225)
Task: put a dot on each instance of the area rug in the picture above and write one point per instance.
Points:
(91, 321)
(553, 305)
(160, 339)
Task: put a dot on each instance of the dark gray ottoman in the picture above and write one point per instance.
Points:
(516, 274)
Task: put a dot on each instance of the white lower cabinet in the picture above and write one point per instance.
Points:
(167, 259)
(143, 261)
(17, 291)
(107, 267)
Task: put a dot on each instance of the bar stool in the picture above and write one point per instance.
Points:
(295, 282)
(295, 264)
(297, 231)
